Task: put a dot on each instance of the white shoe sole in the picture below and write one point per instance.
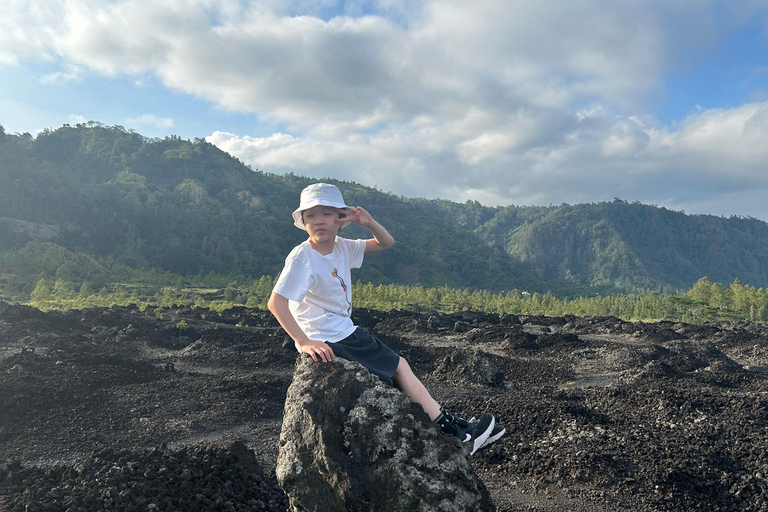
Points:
(480, 440)
(494, 438)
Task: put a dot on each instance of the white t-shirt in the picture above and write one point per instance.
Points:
(319, 288)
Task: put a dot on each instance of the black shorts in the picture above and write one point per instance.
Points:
(360, 346)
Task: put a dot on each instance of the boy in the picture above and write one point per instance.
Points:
(312, 300)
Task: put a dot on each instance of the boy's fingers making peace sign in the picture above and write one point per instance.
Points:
(355, 214)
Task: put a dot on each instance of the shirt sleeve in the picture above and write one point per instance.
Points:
(294, 280)
(356, 250)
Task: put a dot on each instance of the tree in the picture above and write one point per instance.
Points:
(62, 290)
(702, 290)
(42, 292)
(741, 295)
(720, 297)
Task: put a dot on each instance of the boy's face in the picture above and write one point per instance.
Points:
(321, 222)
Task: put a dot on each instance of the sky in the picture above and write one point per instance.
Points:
(505, 102)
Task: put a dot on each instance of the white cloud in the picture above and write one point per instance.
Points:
(73, 75)
(595, 157)
(76, 119)
(150, 120)
(25, 30)
(736, 138)
(303, 69)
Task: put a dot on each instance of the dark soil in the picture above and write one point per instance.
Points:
(123, 410)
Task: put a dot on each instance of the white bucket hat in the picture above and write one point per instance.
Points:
(315, 195)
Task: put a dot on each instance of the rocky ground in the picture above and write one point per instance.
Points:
(127, 410)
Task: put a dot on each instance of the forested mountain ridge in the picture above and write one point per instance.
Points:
(621, 245)
(189, 208)
(630, 245)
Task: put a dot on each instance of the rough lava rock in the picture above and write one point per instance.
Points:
(624, 418)
(352, 442)
(202, 477)
(471, 367)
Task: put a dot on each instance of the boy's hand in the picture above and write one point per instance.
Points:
(317, 349)
(278, 305)
(381, 241)
(355, 214)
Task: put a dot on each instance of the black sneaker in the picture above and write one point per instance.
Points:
(496, 434)
(476, 432)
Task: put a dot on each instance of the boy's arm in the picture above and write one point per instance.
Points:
(381, 240)
(278, 305)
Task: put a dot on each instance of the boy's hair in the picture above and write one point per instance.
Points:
(341, 216)
(317, 194)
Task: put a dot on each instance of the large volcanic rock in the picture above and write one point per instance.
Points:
(351, 442)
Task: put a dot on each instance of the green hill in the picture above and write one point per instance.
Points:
(90, 197)
(625, 246)
(189, 208)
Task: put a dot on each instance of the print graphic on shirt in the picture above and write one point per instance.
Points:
(335, 274)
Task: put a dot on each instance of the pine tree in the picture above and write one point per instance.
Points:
(62, 291)
(702, 290)
(42, 292)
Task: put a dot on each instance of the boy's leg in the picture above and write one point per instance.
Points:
(412, 386)
(379, 359)
(476, 433)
